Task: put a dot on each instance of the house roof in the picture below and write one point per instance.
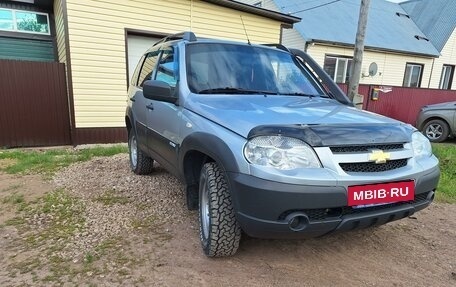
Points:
(436, 18)
(336, 21)
(285, 18)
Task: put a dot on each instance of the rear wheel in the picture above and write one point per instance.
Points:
(140, 163)
(436, 130)
(220, 232)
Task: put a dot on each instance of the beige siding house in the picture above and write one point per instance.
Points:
(100, 41)
(437, 19)
(390, 66)
(441, 64)
(421, 65)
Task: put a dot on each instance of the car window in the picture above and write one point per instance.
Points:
(167, 70)
(148, 67)
(134, 78)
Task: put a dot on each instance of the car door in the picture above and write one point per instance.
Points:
(163, 117)
(139, 102)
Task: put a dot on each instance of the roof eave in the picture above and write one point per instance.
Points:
(288, 19)
(371, 48)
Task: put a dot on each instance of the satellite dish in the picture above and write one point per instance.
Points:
(373, 68)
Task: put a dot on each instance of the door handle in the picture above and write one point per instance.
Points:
(132, 99)
(150, 106)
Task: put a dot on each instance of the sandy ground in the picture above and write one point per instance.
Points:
(417, 251)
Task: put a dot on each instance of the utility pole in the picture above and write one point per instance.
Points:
(355, 75)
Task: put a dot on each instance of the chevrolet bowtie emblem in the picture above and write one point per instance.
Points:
(379, 156)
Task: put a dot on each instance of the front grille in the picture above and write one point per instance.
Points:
(372, 166)
(366, 148)
(326, 213)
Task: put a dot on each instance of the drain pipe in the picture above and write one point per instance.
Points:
(430, 76)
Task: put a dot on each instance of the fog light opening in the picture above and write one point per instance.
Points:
(297, 222)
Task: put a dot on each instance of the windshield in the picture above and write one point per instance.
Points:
(230, 68)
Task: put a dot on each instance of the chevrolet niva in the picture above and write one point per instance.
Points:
(266, 143)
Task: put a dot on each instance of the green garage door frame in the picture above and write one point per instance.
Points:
(26, 49)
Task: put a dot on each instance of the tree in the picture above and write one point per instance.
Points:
(31, 24)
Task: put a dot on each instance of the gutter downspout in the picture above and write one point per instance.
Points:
(307, 44)
(430, 76)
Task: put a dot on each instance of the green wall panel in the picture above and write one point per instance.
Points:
(26, 49)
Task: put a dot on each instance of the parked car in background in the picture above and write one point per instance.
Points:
(438, 121)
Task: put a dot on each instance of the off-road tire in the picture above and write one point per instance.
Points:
(143, 163)
(223, 232)
(436, 130)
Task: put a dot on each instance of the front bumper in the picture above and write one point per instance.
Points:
(264, 209)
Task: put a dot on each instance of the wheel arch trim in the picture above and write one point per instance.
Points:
(210, 145)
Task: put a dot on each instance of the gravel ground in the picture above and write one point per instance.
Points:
(108, 182)
(131, 230)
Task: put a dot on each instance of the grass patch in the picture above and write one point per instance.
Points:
(107, 246)
(145, 223)
(111, 197)
(12, 187)
(89, 258)
(47, 162)
(446, 153)
(27, 265)
(48, 224)
(17, 200)
(14, 198)
(66, 214)
(59, 215)
(16, 221)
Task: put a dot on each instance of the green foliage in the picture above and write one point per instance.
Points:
(47, 162)
(31, 22)
(446, 154)
(14, 198)
(64, 214)
(111, 197)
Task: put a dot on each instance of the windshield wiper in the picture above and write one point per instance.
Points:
(230, 90)
(301, 94)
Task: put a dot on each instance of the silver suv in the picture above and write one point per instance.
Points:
(266, 143)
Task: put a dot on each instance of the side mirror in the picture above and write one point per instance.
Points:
(159, 91)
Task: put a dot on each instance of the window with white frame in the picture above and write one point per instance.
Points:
(412, 77)
(24, 21)
(447, 77)
(338, 68)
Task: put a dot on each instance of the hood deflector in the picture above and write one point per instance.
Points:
(339, 135)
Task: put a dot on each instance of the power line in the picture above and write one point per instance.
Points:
(315, 7)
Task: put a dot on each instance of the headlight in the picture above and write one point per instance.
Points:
(421, 145)
(280, 152)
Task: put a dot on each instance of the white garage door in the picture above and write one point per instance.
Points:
(137, 45)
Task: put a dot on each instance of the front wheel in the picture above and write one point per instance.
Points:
(436, 130)
(140, 163)
(220, 232)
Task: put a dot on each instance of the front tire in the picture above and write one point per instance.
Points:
(220, 232)
(140, 163)
(436, 130)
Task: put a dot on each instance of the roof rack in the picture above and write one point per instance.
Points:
(188, 36)
(278, 46)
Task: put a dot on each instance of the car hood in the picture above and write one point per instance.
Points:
(319, 120)
(440, 106)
